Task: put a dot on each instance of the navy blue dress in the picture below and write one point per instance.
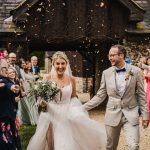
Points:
(9, 138)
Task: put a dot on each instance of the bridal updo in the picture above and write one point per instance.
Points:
(61, 55)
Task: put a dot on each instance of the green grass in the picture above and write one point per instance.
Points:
(26, 132)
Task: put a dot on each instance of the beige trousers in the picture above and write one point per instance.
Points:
(131, 135)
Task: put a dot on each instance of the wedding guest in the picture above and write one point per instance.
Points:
(22, 65)
(12, 63)
(24, 105)
(1, 55)
(142, 64)
(12, 76)
(9, 138)
(128, 59)
(5, 52)
(29, 111)
(35, 67)
(143, 61)
(147, 77)
(4, 58)
(4, 71)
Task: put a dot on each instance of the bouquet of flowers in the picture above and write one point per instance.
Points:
(44, 90)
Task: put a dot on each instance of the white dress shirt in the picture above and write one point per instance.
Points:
(120, 81)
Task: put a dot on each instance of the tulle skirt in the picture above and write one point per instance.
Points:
(72, 129)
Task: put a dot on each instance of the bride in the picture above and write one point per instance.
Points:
(65, 125)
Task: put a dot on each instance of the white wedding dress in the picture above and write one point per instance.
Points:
(72, 127)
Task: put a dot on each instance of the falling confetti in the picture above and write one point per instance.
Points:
(39, 9)
(102, 4)
(64, 4)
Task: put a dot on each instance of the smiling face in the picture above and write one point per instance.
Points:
(34, 60)
(148, 61)
(23, 64)
(11, 73)
(5, 52)
(12, 58)
(60, 66)
(28, 65)
(115, 57)
(4, 71)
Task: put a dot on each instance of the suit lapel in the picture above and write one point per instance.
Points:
(128, 80)
(128, 77)
(113, 79)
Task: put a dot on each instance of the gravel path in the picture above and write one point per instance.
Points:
(99, 116)
(144, 133)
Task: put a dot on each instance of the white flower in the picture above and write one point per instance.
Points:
(44, 89)
(130, 73)
(53, 85)
(39, 81)
(36, 87)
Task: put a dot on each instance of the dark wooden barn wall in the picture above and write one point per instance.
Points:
(71, 21)
(119, 20)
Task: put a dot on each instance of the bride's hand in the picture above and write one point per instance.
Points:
(43, 103)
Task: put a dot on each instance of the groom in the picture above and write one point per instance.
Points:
(124, 86)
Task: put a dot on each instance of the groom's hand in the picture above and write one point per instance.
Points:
(145, 123)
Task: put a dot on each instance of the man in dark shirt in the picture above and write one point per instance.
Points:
(35, 67)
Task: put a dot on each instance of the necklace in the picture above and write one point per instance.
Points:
(60, 81)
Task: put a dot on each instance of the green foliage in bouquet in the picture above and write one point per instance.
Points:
(44, 89)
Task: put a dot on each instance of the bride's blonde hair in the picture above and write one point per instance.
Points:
(59, 54)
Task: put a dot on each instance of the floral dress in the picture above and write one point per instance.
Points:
(9, 138)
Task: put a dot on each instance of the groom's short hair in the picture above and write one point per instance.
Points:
(121, 49)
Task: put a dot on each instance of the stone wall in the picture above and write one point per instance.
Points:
(83, 84)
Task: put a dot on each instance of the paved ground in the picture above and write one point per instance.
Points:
(144, 133)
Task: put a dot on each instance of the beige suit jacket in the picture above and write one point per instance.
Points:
(128, 104)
